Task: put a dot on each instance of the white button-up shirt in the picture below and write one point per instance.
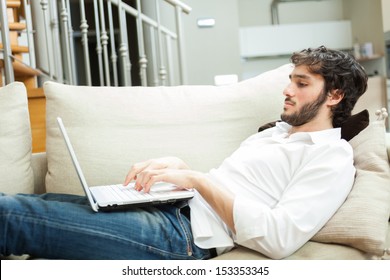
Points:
(286, 188)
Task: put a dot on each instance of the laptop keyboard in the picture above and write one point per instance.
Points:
(112, 193)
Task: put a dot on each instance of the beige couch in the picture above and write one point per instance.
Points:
(112, 128)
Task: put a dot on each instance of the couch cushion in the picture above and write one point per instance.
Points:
(310, 251)
(16, 175)
(113, 128)
(362, 221)
(355, 124)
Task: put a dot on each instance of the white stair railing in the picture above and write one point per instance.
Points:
(9, 73)
(123, 50)
(84, 43)
(114, 57)
(65, 54)
(141, 45)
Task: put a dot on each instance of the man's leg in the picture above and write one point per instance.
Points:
(64, 227)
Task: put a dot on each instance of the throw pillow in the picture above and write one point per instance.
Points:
(362, 221)
(350, 128)
(354, 125)
(16, 175)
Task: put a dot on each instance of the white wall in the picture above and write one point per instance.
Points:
(216, 51)
(386, 15)
(212, 51)
(367, 24)
(258, 13)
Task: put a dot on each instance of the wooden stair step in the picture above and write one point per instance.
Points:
(35, 93)
(22, 70)
(16, 48)
(37, 110)
(17, 26)
(14, 3)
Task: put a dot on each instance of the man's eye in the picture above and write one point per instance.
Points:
(301, 84)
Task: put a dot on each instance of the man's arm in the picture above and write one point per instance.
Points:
(175, 171)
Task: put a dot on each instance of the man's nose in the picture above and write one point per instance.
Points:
(288, 90)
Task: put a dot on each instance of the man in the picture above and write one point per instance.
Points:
(271, 195)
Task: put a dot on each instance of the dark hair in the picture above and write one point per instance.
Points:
(341, 71)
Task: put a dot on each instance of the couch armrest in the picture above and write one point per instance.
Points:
(39, 166)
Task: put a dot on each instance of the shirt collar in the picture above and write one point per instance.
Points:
(321, 136)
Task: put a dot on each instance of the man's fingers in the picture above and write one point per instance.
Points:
(135, 170)
(147, 178)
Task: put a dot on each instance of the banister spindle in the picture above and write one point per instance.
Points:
(55, 42)
(9, 72)
(153, 55)
(114, 57)
(141, 46)
(104, 42)
(44, 6)
(169, 59)
(98, 45)
(180, 44)
(64, 19)
(71, 44)
(123, 49)
(84, 41)
(29, 35)
(162, 72)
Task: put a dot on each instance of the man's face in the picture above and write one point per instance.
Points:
(304, 97)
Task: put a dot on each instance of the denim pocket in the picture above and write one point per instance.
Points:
(183, 217)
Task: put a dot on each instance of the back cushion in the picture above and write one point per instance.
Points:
(113, 128)
(16, 175)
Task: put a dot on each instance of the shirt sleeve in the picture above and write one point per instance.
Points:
(317, 189)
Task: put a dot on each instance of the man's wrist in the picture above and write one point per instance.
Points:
(200, 181)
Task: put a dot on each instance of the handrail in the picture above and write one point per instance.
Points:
(176, 3)
(9, 73)
(144, 18)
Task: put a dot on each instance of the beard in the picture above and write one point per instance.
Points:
(306, 113)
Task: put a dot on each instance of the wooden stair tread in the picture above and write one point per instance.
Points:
(17, 26)
(14, 3)
(21, 70)
(16, 48)
(35, 93)
(37, 111)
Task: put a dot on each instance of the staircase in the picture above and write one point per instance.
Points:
(15, 12)
(89, 42)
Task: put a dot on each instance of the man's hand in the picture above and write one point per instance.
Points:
(183, 178)
(139, 169)
(175, 171)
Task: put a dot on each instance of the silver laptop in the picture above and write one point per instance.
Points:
(117, 196)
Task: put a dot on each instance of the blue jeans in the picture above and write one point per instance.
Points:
(60, 226)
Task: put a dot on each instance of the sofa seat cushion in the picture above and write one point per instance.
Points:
(16, 175)
(113, 128)
(310, 251)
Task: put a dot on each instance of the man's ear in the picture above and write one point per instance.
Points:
(335, 96)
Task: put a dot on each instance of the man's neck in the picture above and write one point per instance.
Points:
(312, 126)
